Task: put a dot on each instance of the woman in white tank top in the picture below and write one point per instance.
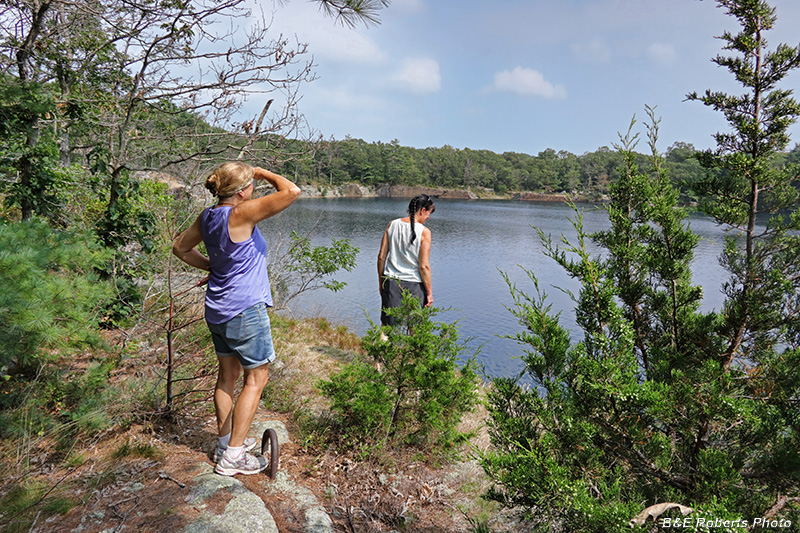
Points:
(404, 258)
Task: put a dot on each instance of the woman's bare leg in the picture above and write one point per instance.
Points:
(255, 379)
(229, 371)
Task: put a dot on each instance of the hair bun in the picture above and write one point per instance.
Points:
(229, 178)
(212, 184)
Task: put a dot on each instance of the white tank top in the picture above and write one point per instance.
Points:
(403, 260)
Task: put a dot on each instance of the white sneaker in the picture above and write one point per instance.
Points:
(246, 464)
(249, 444)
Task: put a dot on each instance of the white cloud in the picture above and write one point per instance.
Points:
(527, 82)
(663, 54)
(419, 76)
(595, 51)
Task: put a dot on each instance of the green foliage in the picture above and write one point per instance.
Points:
(23, 498)
(139, 449)
(304, 267)
(28, 155)
(21, 105)
(131, 225)
(658, 402)
(374, 164)
(54, 293)
(378, 163)
(410, 388)
(51, 315)
(36, 191)
(128, 218)
(745, 182)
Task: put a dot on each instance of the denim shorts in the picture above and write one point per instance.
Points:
(247, 336)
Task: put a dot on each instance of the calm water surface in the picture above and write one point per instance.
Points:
(473, 242)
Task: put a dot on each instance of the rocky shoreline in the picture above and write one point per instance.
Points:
(354, 190)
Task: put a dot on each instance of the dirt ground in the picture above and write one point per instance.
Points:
(135, 493)
(138, 479)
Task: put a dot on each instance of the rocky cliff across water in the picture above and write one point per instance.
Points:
(352, 190)
(355, 190)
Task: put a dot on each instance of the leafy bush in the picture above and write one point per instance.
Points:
(49, 316)
(661, 402)
(52, 293)
(303, 267)
(647, 408)
(30, 165)
(409, 389)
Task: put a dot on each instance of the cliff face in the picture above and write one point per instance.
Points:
(406, 191)
(539, 197)
(352, 190)
(348, 190)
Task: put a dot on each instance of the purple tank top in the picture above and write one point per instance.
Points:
(238, 278)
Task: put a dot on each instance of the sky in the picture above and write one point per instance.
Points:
(520, 76)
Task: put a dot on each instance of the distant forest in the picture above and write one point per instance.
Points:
(351, 160)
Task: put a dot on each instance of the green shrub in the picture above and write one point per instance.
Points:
(662, 402)
(52, 293)
(644, 409)
(50, 311)
(304, 267)
(409, 387)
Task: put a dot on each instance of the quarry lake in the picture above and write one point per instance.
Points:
(473, 242)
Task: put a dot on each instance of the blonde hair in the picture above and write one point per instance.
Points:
(229, 178)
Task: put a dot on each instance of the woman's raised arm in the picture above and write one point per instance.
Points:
(251, 212)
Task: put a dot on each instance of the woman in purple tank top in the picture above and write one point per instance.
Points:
(237, 298)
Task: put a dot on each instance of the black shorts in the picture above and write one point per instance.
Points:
(392, 296)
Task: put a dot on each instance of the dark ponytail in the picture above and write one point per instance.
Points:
(421, 201)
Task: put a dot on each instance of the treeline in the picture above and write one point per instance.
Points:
(334, 162)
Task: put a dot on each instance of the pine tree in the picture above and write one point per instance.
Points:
(660, 401)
